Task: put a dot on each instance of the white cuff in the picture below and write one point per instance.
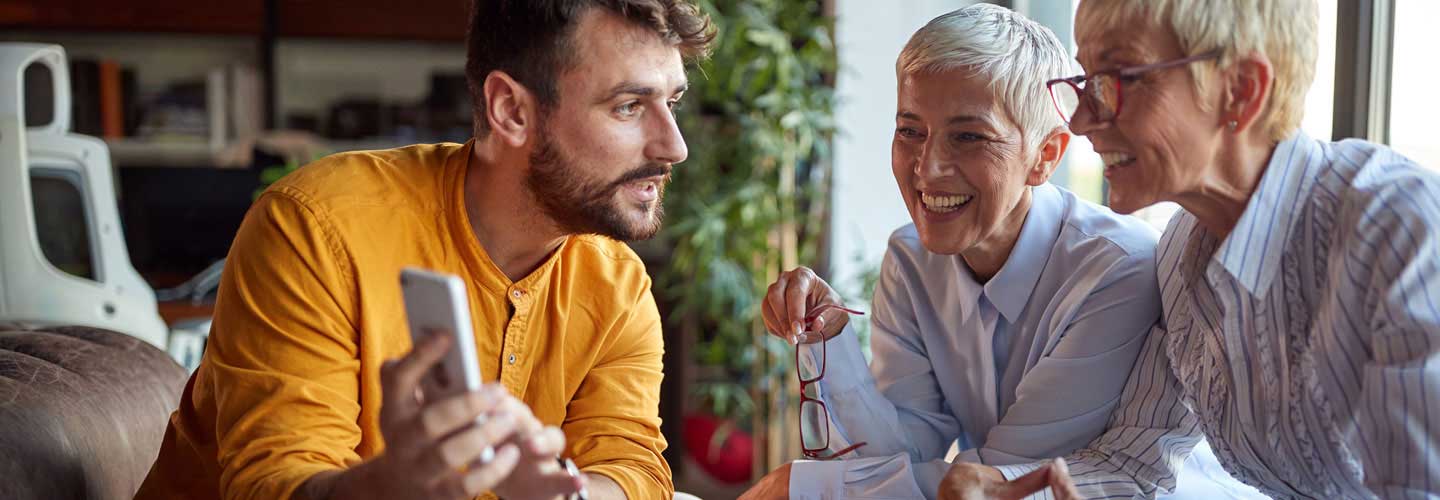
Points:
(845, 366)
(1013, 471)
(877, 478)
(817, 479)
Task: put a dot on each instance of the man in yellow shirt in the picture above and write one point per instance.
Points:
(574, 141)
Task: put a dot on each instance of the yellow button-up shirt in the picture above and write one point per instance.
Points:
(310, 306)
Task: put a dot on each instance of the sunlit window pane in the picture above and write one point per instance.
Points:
(1414, 108)
(1319, 118)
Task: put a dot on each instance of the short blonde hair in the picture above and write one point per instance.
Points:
(1015, 54)
(1284, 31)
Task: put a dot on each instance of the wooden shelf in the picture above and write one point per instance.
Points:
(235, 17)
(131, 152)
(424, 20)
(128, 152)
(104, 29)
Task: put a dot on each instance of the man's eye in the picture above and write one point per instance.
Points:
(628, 109)
(967, 137)
(908, 133)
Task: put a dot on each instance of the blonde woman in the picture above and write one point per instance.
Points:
(1300, 284)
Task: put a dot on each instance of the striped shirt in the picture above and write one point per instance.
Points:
(1305, 346)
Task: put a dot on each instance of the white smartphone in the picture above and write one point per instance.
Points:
(436, 302)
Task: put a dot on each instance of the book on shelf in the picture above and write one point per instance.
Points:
(112, 105)
(85, 97)
(103, 97)
(225, 105)
(216, 108)
(246, 101)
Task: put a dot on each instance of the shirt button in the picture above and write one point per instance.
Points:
(512, 359)
(517, 293)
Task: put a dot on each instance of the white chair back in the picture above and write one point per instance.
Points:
(63, 262)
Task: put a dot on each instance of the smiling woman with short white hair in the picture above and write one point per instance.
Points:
(1301, 282)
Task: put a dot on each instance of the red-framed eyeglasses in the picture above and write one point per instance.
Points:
(1102, 91)
(810, 368)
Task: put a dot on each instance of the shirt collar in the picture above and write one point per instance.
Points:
(1011, 288)
(1251, 253)
(483, 270)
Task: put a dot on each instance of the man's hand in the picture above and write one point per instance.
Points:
(967, 481)
(775, 485)
(791, 298)
(434, 449)
(539, 474)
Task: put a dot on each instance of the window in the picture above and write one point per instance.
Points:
(62, 222)
(1414, 108)
(1319, 120)
(1082, 172)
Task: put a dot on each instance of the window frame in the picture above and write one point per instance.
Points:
(1364, 39)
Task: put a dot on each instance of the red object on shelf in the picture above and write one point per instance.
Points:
(720, 447)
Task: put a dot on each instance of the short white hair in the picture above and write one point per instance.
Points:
(1285, 31)
(1017, 56)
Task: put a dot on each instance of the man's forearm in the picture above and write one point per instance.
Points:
(319, 487)
(601, 487)
(341, 484)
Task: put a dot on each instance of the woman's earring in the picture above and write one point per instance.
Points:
(1233, 125)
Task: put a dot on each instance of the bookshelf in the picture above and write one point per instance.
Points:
(306, 56)
(436, 20)
(237, 17)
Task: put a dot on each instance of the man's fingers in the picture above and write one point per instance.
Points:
(525, 422)
(482, 478)
(406, 439)
(549, 442)
(470, 445)
(393, 406)
(399, 378)
(464, 485)
(448, 415)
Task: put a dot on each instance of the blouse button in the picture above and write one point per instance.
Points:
(512, 359)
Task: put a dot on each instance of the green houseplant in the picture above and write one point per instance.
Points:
(751, 199)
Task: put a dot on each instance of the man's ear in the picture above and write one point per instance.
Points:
(511, 110)
(1248, 82)
(1052, 150)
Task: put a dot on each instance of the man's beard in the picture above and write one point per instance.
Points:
(581, 207)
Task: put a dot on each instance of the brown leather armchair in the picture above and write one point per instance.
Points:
(82, 412)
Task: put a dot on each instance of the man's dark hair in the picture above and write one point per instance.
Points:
(530, 39)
